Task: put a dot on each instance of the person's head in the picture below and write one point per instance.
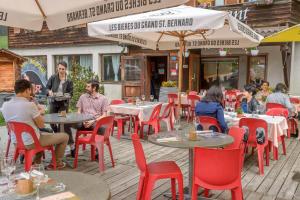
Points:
(265, 86)
(249, 90)
(23, 88)
(62, 68)
(214, 94)
(281, 87)
(92, 86)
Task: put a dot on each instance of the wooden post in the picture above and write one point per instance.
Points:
(181, 47)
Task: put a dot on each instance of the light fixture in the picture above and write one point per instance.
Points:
(254, 52)
(222, 52)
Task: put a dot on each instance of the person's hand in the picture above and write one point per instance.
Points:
(88, 124)
(50, 93)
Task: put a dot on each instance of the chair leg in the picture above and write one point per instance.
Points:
(120, 128)
(53, 158)
(283, 144)
(180, 188)
(195, 192)
(28, 161)
(142, 131)
(93, 153)
(173, 188)
(100, 147)
(206, 192)
(149, 187)
(260, 159)
(267, 156)
(141, 187)
(275, 153)
(76, 155)
(16, 155)
(110, 152)
(237, 194)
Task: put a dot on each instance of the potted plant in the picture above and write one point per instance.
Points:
(223, 51)
(166, 88)
(239, 112)
(254, 51)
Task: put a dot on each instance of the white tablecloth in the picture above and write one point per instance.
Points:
(184, 100)
(277, 125)
(143, 111)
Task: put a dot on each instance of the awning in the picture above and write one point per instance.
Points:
(291, 34)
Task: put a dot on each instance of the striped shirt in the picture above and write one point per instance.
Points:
(95, 105)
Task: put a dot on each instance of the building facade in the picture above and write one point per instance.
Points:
(128, 71)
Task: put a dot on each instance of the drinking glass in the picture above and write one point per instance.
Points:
(143, 97)
(8, 167)
(151, 98)
(37, 171)
(177, 124)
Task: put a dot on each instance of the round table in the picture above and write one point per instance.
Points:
(206, 140)
(84, 186)
(71, 118)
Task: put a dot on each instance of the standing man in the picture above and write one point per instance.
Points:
(92, 103)
(21, 109)
(58, 83)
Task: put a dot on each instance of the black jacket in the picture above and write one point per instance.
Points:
(53, 84)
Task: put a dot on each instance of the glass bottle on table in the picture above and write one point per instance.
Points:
(37, 172)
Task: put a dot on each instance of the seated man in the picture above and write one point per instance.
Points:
(20, 109)
(279, 96)
(92, 103)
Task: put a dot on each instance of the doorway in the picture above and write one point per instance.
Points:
(157, 67)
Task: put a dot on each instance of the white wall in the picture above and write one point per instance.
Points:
(112, 91)
(295, 69)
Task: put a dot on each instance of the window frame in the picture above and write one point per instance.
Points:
(248, 66)
(102, 68)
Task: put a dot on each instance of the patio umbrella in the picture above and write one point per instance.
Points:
(181, 27)
(291, 34)
(30, 14)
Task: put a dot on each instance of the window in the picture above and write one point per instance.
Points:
(82, 60)
(3, 37)
(111, 70)
(224, 71)
(257, 69)
(132, 70)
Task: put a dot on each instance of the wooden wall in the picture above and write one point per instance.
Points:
(9, 72)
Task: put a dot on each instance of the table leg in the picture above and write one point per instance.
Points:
(62, 128)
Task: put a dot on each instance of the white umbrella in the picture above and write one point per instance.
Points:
(30, 14)
(178, 28)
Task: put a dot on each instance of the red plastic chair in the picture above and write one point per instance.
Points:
(193, 93)
(218, 169)
(274, 105)
(19, 128)
(238, 134)
(279, 112)
(172, 98)
(192, 99)
(253, 124)
(294, 100)
(206, 122)
(120, 120)
(231, 98)
(153, 121)
(167, 116)
(150, 173)
(90, 138)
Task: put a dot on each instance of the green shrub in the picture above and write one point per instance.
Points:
(80, 76)
(169, 84)
(2, 121)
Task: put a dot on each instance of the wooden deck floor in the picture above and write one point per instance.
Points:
(277, 182)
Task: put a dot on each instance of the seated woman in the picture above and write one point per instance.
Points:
(262, 95)
(211, 105)
(249, 103)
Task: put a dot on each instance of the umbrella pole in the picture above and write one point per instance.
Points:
(181, 46)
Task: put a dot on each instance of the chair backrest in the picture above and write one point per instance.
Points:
(139, 153)
(274, 105)
(295, 100)
(217, 167)
(117, 101)
(278, 112)
(167, 111)
(20, 128)
(230, 95)
(193, 93)
(253, 124)
(105, 122)
(238, 134)
(155, 113)
(207, 122)
(192, 99)
(172, 97)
